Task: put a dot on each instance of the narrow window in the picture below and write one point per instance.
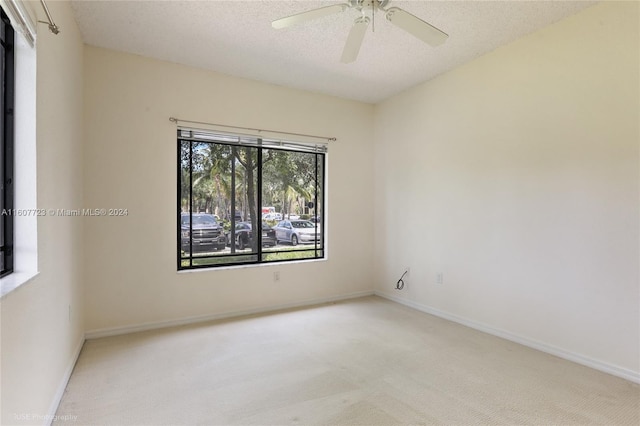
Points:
(7, 135)
(245, 200)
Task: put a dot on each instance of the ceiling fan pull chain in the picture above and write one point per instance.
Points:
(373, 16)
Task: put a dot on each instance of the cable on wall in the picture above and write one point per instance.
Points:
(400, 283)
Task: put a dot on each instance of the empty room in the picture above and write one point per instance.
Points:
(357, 212)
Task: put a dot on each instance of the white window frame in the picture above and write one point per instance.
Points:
(25, 241)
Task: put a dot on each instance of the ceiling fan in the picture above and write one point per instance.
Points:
(400, 18)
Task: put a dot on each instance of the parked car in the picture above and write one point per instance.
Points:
(297, 231)
(244, 235)
(272, 216)
(204, 234)
(237, 217)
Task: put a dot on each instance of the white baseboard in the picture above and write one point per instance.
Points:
(104, 332)
(63, 384)
(624, 373)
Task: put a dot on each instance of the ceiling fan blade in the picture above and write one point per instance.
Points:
(354, 41)
(308, 15)
(416, 26)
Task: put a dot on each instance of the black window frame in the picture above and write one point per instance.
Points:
(7, 103)
(195, 137)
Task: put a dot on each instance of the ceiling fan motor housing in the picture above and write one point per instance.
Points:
(368, 4)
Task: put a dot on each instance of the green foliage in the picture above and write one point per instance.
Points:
(205, 261)
(283, 253)
(288, 179)
(289, 255)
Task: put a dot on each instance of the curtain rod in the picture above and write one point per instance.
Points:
(52, 25)
(177, 120)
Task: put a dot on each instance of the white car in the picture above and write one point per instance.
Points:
(272, 216)
(297, 231)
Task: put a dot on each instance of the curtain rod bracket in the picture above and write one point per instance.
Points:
(52, 25)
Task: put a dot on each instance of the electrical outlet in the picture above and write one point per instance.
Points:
(439, 278)
(276, 276)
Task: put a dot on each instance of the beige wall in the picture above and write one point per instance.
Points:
(39, 338)
(516, 176)
(130, 162)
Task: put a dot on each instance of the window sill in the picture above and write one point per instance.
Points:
(250, 265)
(15, 280)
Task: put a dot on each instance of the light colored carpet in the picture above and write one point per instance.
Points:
(366, 361)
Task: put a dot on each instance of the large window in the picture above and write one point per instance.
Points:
(7, 136)
(246, 200)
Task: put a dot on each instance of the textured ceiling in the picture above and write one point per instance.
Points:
(236, 38)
